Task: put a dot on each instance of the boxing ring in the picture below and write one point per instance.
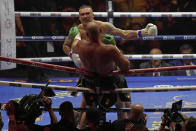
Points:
(154, 99)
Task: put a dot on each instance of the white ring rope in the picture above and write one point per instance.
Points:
(130, 57)
(83, 89)
(128, 109)
(106, 14)
(62, 38)
(38, 86)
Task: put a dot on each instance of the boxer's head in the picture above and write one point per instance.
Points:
(86, 14)
(93, 31)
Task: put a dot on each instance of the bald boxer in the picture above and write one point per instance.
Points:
(100, 59)
(97, 57)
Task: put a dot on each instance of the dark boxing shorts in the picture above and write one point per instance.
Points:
(104, 83)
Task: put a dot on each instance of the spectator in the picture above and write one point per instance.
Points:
(13, 124)
(136, 120)
(93, 117)
(185, 49)
(190, 124)
(67, 119)
(155, 64)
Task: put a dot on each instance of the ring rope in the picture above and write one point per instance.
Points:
(107, 14)
(123, 109)
(148, 70)
(44, 65)
(62, 38)
(130, 57)
(97, 90)
(39, 86)
(128, 109)
(80, 71)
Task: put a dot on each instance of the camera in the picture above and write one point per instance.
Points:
(172, 115)
(29, 107)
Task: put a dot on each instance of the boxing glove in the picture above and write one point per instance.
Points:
(149, 30)
(73, 32)
(76, 59)
(108, 39)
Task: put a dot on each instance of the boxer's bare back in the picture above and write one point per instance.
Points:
(97, 57)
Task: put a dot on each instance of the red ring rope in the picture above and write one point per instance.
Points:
(48, 66)
(80, 71)
(148, 70)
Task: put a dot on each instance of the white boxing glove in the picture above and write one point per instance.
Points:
(150, 30)
(76, 59)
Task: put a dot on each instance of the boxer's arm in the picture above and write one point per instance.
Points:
(77, 46)
(149, 30)
(126, 34)
(67, 45)
(75, 42)
(121, 61)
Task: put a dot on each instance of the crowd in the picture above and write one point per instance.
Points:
(69, 119)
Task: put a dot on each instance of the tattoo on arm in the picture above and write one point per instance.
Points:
(127, 34)
(109, 28)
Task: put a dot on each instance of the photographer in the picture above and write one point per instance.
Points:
(13, 125)
(47, 104)
(136, 120)
(26, 110)
(188, 125)
(18, 116)
(32, 103)
(66, 123)
(172, 120)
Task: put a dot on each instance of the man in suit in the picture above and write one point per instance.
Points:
(185, 49)
(155, 64)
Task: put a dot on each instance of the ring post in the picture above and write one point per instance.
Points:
(7, 33)
(110, 11)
